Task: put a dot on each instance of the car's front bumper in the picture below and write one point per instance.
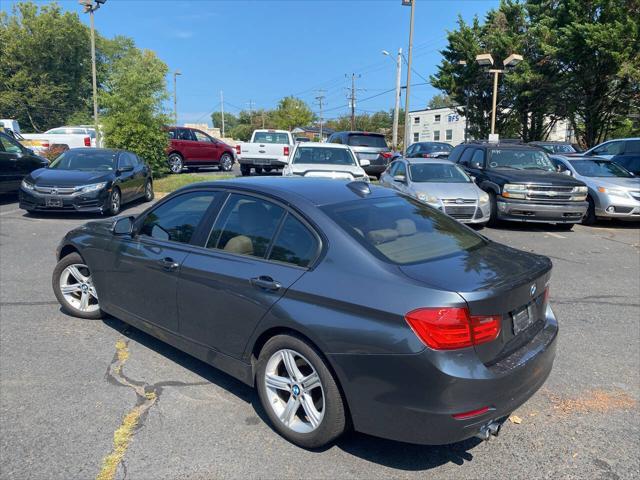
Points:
(613, 206)
(94, 202)
(519, 211)
(413, 397)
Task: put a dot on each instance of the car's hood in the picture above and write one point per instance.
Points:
(447, 190)
(613, 182)
(493, 266)
(68, 178)
(309, 169)
(534, 176)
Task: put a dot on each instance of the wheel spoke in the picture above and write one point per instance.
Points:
(73, 288)
(310, 382)
(92, 291)
(290, 364)
(277, 382)
(290, 410)
(310, 409)
(73, 270)
(84, 301)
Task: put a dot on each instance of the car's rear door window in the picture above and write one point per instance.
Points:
(177, 219)
(402, 230)
(246, 226)
(295, 244)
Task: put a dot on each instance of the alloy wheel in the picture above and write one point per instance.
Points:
(77, 288)
(148, 191)
(226, 163)
(175, 164)
(115, 201)
(294, 391)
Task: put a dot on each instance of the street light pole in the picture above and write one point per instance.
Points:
(466, 108)
(222, 111)
(396, 108)
(495, 96)
(175, 96)
(408, 93)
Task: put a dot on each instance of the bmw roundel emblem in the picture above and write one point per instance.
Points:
(533, 289)
(296, 390)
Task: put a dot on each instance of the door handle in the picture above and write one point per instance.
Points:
(266, 283)
(168, 264)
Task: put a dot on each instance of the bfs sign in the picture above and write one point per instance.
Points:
(453, 117)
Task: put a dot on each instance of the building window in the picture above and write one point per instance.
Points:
(449, 134)
(416, 137)
(436, 135)
(416, 120)
(436, 118)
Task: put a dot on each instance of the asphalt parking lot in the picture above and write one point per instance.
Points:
(68, 385)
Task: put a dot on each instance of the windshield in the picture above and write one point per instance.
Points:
(432, 147)
(365, 140)
(403, 230)
(438, 172)
(271, 137)
(87, 159)
(599, 168)
(520, 159)
(325, 156)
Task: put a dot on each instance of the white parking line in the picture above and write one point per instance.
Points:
(556, 235)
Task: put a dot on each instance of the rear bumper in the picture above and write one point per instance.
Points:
(540, 212)
(262, 162)
(375, 169)
(412, 397)
(91, 203)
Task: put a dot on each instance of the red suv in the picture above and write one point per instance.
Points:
(194, 149)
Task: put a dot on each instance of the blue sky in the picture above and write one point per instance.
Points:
(262, 50)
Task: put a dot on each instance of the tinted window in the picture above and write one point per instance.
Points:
(271, 137)
(401, 169)
(125, 160)
(477, 159)
(363, 140)
(185, 134)
(319, 155)
(466, 156)
(246, 226)
(172, 133)
(403, 230)
(86, 159)
(9, 145)
(295, 244)
(599, 168)
(633, 146)
(201, 137)
(438, 172)
(611, 148)
(455, 153)
(433, 147)
(632, 164)
(178, 218)
(335, 139)
(519, 159)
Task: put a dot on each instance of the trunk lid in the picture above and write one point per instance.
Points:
(494, 280)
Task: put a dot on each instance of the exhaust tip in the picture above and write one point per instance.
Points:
(489, 430)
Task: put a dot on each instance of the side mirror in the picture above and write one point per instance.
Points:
(123, 226)
(399, 178)
(477, 165)
(473, 179)
(364, 163)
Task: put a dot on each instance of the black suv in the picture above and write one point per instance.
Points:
(522, 183)
(367, 146)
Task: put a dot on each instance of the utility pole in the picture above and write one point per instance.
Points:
(408, 93)
(262, 118)
(320, 98)
(250, 103)
(90, 8)
(352, 99)
(222, 111)
(396, 108)
(175, 96)
(463, 63)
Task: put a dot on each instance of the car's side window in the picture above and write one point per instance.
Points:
(202, 137)
(410, 150)
(124, 160)
(177, 219)
(466, 157)
(9, 145)
(294, 244)
(611, 148)
(633, 146)
(455, 153)
(185, 134)
(477, 161)
(401, 170)
(392, 168)
(246, 226)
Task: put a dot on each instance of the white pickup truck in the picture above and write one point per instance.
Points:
(267, 150)
(61, 137)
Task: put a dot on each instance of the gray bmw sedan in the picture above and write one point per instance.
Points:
(345, 304)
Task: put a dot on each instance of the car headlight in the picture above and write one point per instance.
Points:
(94, 187)
(580, 189)
(484, 198)
(423, 197)
(513, 190)
(614, 192)
(26, 185)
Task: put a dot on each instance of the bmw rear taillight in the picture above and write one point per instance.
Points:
(286, 151)
(238, 149)
(452, 328)
(87, 141)
(386, 154)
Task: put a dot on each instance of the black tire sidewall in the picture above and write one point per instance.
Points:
(334, 419)
(110, 211)
(245, 170)
(590, 216)
(55, 284)
(224, 157)
(493, 215)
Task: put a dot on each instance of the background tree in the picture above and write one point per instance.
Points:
(292, 112)
(230, 121)
(133, 117)
(441, 100)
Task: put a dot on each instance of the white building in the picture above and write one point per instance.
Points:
(446, 125)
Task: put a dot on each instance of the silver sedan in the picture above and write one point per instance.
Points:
(441, 184)
(614, 192)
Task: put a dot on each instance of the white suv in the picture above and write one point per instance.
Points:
(329, 160)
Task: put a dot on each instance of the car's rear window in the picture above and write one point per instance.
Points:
(271, 137)
(402, 230)
(433, 147)
(362, 140)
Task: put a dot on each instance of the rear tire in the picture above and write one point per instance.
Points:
(176, 163)
(258, 170)
(226, 162)
(74, 277)
(590, 217)
(245, 170)
(321, 396)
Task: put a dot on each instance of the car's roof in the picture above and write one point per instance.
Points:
(429, 160)
(549, 142)
(361, 132)
(503, 146)
(323, 145)
(318, 191)
(96, 150)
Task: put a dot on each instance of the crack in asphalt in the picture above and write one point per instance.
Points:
(147, 395)
(595, 300)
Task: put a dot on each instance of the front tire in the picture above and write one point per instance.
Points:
(73, 287)
(590, 216)
(148, 191)
(176, 164)
(226, 162)
(493, 216)
(245, 170)
(299, 393)
(114, 202)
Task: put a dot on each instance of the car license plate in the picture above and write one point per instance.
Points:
(54, 202)
(263, 161)
(522, 319)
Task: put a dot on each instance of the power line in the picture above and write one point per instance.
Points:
(352, 98)
(320, 98)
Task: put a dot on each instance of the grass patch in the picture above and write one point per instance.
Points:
(170, 183)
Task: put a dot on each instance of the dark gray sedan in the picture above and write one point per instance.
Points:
(344, 304)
